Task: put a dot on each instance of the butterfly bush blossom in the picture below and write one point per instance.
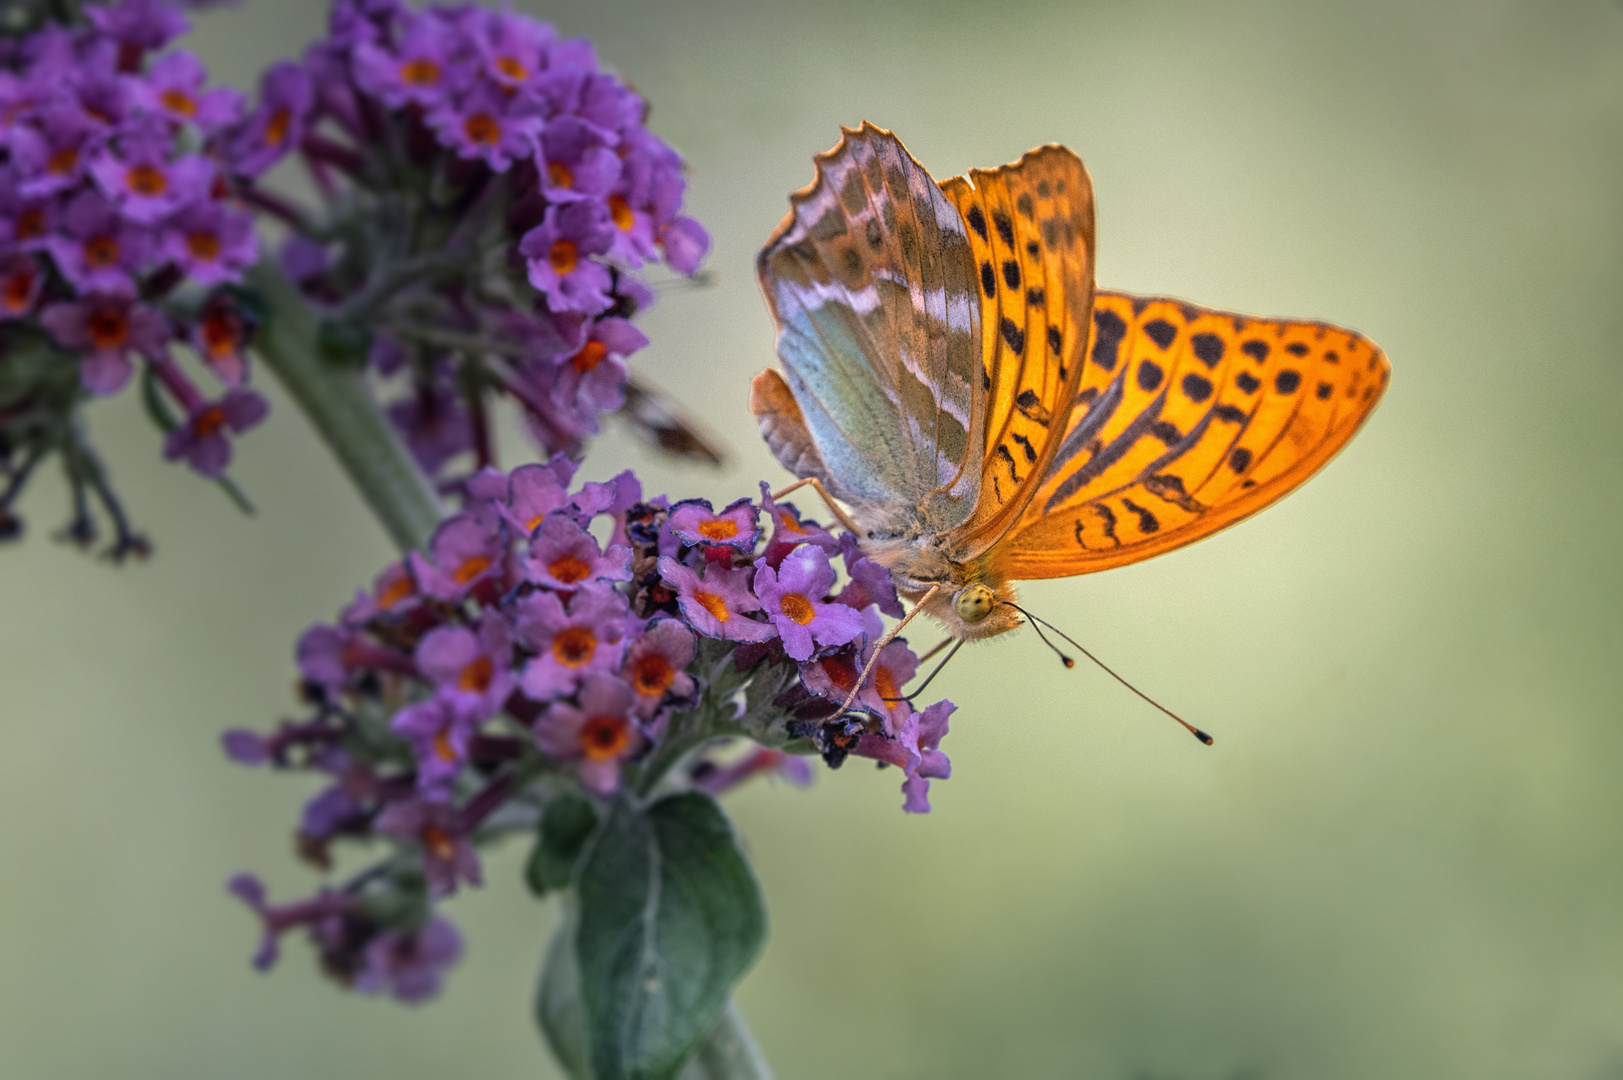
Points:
(521, 666)
(122, 237)
(489, 195)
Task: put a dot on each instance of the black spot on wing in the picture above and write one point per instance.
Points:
(1008, 458)
(1011, 273)
(1323, 391)
(1012, 334)
(1256, 350)
(1033, 248)
(1108, 516)
(1240, 459)
(988, 280)
(1055, 340)
(1031, 407)
(1108, 330)
(1167, 432)
(1170, 488)
(1044, 189)
(977, 221)
(1229, 413)
(1208, 349)
(1161, 332)
(1005, 227)
(1287, 381)
(1050, 233)
(1025, 445)
(1024, 205)
(1247, 382)
(1034, 297)
(1196, 388)
(1147, 522)
(1332, 357)
(1149, 375)
(1296, 348)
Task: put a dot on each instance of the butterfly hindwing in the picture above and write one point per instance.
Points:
(870, 280)
(1189, 420)
(1031, 233)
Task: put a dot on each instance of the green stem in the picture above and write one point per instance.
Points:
(342, 411)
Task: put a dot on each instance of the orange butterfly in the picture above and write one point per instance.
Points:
(950, 373)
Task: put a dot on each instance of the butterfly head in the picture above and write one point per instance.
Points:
(974, 610)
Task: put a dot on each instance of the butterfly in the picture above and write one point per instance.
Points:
(951, 374)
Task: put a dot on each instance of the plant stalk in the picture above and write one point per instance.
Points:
(336, 401)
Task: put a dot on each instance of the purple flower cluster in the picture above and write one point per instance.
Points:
(538, 191)
(119, 232)
(550, 641)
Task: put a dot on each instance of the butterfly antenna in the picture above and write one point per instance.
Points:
(1037, 625)
(931, 678)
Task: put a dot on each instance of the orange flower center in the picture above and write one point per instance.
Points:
(787, 520)
(31, 223)
(574, 646)
(395, 590)
(442, 745)
(568, 569)
(512, 68)
(715, 605)
(276, 128)
(885, 683)
(604, 738)
(471, 567)
(204, 245)
(482, 128)
(438, 843)
(178, 101)
(718, 529)
(529, 526)
(219, 333)
(591, 355)
(101, 252)
(108, 328)
(841, 672)
(62, 162)
(563, 256)
(798, 608)
(146, 180)
(652, 675)
(620, 211)
(476, 675)
(420, 71)
(208, 421)
(559, 175)
(19, 287)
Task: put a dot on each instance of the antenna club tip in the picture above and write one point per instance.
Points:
(1203, 737)
(1067, 661)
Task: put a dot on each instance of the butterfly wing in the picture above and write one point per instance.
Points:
(872, 286)
(1189, 420)
(1031, 233)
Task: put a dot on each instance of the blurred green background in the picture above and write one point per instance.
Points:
(1401, 859)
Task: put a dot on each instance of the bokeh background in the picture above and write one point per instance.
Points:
(1401, 859)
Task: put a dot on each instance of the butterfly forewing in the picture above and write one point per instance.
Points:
(1031, 233)
(1189, 419)
(871, 281)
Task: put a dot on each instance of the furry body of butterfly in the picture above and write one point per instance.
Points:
(950, 374)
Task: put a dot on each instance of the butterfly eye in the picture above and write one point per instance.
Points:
(973, 603)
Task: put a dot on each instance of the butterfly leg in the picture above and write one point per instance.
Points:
(817, 486)
(873, 660)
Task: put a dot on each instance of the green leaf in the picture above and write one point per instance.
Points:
(558, 1007)
(670, 919)
(565, 827)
